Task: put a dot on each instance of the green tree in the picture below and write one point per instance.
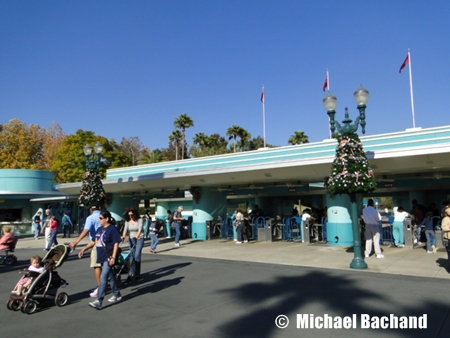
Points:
(201, 140)
(208, 145)
(69, 163)
(232, 133)
(244, 137)
(92, 191)
(299, 137)
(154, 156)
(350, 171)
(175, 139)
(182, 122)
(256, 143)
(21, 146)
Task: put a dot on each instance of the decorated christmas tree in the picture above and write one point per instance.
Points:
(350, 171)
(92, 192)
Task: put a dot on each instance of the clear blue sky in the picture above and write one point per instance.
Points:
(129, 68)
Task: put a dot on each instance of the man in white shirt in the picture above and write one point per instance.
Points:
(372, 218)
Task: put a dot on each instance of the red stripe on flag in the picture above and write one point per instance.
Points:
(262, 96)
(325, 84)
(404, 64)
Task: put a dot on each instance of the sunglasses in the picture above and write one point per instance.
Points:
(101, 218)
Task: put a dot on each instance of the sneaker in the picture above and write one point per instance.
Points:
(245, 241)
(168, 237)
(429, 251)
(380, 256)
(96, 304)
(177, 244)
(367, 256)
(152, 251)
(94, 293)
(237, 242)
(114, 299)
(419, 243)
(433, 247)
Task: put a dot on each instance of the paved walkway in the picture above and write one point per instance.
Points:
(399, 261)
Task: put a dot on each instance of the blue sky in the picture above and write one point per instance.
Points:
(129, 68)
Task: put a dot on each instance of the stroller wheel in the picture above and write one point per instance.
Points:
(62, 299)
(30, 307)
(9, 260)
(14, 305)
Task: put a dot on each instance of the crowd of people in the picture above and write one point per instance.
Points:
(105, 237)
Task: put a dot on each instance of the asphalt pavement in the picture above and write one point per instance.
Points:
(221, 289)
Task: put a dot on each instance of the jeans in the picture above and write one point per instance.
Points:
(107, 274)
(53, 240)
(66, 231)
(37, 229)
(431, 239)
(397, 232)
(155, 241)
(177, 231)
(135, 262)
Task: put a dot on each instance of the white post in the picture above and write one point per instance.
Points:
(411, 89)
(263, 100)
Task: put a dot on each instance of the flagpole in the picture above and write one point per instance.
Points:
(264, 114)
(411, 89)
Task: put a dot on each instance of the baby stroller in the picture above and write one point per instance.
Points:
(8, 258)
(43, 286)
(122, 265)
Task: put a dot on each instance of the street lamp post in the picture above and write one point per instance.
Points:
(93, 160)
(350, 183)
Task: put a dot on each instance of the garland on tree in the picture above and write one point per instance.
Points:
(92, 192)
(350, 171)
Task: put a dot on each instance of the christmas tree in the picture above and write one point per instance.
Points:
(92, 192)
(350, 172)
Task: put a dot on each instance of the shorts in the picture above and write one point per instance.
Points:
(94, 263)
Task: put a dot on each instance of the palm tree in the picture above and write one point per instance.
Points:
(232, 133)
(154, 156)
(298, 138)
(176, 137)
(201, 139)
(182, 122)
(244, 136)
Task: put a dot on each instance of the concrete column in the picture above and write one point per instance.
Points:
(211, 204)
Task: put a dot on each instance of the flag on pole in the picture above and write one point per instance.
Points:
(262, 95)
(404, 63)
(325, 84)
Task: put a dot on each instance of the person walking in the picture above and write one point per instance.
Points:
(372, 218)
(37, 223)
(397, 227)
(53, 233)
(91, 227)
(46, 227)
(107, 247)
(67, 225)
(154, 230)
(133, 225)
(177, 219)
(429, 232)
